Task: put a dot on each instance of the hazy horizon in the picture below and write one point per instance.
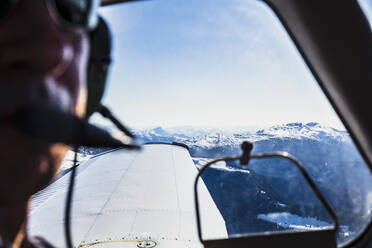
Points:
(228, 129)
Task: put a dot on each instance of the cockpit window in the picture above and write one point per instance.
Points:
(366, 6)
(213, 73)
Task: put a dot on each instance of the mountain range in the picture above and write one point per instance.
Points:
(272, 186)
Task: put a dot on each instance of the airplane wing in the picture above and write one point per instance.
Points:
(129, 199)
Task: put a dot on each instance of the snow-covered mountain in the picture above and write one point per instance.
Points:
(212, 142)
(182, 133)
(311, 130)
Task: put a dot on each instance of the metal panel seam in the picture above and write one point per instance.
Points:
(178, 198)
(108, 199)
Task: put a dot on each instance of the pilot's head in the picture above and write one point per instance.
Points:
(44, 49)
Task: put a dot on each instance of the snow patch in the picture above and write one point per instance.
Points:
(200, 162)
(69, 159)
(295, 222)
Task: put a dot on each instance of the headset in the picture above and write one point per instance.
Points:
(98, 66)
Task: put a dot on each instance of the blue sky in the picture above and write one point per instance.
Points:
(208, 63)
(367, 8)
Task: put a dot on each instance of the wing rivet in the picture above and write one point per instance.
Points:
(146, 244)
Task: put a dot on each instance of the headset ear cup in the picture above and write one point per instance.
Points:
(98, 65)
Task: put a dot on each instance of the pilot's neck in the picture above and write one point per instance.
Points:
(13, 224)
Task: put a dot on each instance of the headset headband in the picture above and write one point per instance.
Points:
(98, 66)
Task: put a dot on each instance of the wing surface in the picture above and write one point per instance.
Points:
(124, 198)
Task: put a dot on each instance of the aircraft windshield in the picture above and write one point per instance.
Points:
(367, 9)
(214, 73)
